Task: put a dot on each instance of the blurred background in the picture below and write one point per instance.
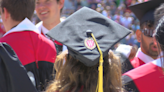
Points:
(117, 10)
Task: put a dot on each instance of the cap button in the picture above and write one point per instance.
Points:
(89, 32)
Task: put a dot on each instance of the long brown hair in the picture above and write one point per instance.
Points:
(71, 75)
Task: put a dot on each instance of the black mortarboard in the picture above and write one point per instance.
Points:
(145, 11)
(14, 77)
(88, 36)
(73, 33)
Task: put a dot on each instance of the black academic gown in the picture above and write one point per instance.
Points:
(13, 76)
(36, 53)
(126, 65)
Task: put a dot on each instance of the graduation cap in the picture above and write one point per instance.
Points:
(145, 11)
(88, 36)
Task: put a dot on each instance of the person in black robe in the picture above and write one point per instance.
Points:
(14, 77)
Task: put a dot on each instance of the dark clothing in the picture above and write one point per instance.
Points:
(126, 64)
(35, 52)
(14, 77)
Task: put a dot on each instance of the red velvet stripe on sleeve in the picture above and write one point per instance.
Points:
(57, 43)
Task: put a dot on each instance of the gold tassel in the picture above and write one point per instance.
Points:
(100, 69)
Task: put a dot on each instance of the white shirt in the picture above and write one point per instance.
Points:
(160, 60)
(25, 25)
(44, 30)
(145, 58)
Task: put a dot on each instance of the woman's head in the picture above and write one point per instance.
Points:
(87, 35)
(159, 31)
(159, 34)
(159, 22)
(72, 75)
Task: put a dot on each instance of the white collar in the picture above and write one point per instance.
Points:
(39, 26)
(159, 61)
(44, 30)
(26, 24)
(145, 58)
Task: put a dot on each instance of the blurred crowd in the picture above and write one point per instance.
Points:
(116, 10)
(52, 48)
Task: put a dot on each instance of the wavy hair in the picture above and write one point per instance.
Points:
(159, 32)
(71, 75)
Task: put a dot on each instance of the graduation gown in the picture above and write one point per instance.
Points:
(126, 64)
(35, 52)
(14, 77)
(136, 62)
(146, 78)
(140, 59)
(58, 45)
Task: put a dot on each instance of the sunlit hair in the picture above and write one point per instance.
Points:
(159, 12)
(71, 75)
(159, 31)
(159, 34)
